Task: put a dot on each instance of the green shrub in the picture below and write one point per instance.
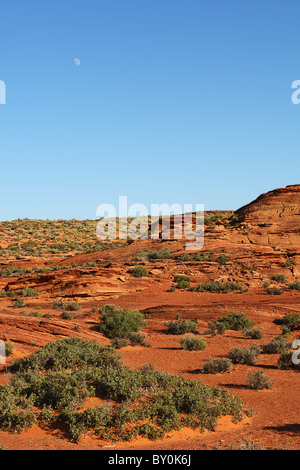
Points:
(216, 328)
(279, 278)
(222, 259)
(253, 333)
(119, 323)
(218, 287)
(216, 366)
(259, 381)
(68, 307)
(66, 316)
(244, 355)
(183, 282)
(192, 343)
(277, 345)
(15, 412)
(285, 360)
(180, 327)
(292, 321)
(9, 348)
(139, 271)
(294, 285)
(29, 292)
(57, 379)
(236, 321)
(274, 291)
(19, 303)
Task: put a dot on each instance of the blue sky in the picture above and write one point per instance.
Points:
(174, 101)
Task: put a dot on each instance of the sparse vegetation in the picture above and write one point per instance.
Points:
(216, 366)
(253, 333)
(259, 380)
(119, 323)
(57, 379)
(139, 271)
(236, 321)
(183, 282)
(192, 343)
(218, 287)
(248, 356)
(180, 327)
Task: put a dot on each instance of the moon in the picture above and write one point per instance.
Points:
(76, 61)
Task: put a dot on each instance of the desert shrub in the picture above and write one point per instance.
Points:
(47, 416)
(120, 343)
(218, 287)
(68, 307)
(57, 378)
(68, 353)
(292, 321)
(195, 257)
(285, 360)
(216, 366)
(9, 348)
(236, 321)
(279, 278)
(274, 291)
(244, 355)
(192, 343)
(222, 259)
(215, 328)
(79, 423)
(139, 271)
(253, 333)
(66, 316)
(29, 292)
(152, 255)
(277, 345)
(160, 254)
(183, 282)
(15, 412)
(180, 327)
(119, 323)
(259, 380)
(137, 339)
(294, 285)
(286, 331)
(19, 303)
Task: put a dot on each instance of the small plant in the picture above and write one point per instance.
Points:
(259, 381)
(119, 323)
(292, 321)
(66, 316)
(236, 321)
(244, 355)
(253, 333)
(29, 292)
(285, 361)
(294, 285)
(218, 287)
(274, 291)
(216, 366)
(222, 259)
(216, 328)
(139, 271)
(9, 348)
(180, 327)
(279, 278)
(183, 282)
(19, 303)
(277, 345)
(192, 343)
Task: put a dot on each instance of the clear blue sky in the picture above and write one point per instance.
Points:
(174, 101)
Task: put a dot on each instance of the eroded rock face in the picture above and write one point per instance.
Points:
(274, 218)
